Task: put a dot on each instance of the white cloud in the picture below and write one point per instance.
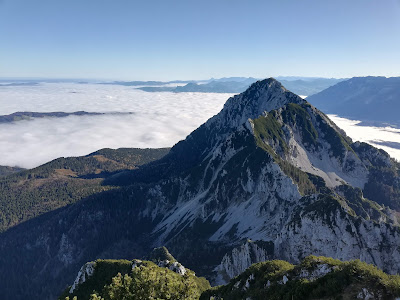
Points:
(159, 120)
(369, 134)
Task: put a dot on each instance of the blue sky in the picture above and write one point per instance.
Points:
(165, 40)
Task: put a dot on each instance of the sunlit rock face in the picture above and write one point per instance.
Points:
(84, 273)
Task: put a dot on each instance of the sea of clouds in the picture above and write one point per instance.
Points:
(157, 120)
(380, 137)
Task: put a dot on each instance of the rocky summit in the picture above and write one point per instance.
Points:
(269, 177)
(159, 277)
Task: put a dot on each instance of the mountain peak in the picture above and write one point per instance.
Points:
(262, 96)
(267, 85)
(269, 82)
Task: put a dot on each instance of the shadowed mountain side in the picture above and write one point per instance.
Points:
(113, 233)
(63, 181)
(190, 152)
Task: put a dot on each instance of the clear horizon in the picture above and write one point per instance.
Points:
(184, 40)
(4, 78)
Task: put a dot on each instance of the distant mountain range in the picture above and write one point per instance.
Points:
(28, 115)
(18, 84)
(269, 177)
(373, 100)
(148, 83)
(300, 85)
(235, 85)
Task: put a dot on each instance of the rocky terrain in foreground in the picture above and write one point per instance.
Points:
(162, 277)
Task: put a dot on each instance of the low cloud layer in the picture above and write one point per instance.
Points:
(159, 120)
(386, 138)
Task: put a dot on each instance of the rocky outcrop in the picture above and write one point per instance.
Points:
(141, 279)
(340, 235)
(242, 257)
(84, 273)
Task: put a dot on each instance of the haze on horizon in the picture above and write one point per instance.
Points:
(168, 40)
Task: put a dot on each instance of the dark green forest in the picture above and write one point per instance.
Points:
(63, 181)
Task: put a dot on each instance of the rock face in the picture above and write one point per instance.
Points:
(342, 236)
(242, 257)
(175, 267)
(269, 167)
(84, 273)
(164, 259)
